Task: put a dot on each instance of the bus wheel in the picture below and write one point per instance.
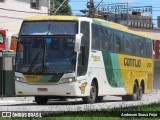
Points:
(99, 99)
(135, 95)
(140, 92)
(93, 94)
(41, 100)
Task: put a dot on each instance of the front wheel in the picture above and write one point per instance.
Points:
(93, 94)
(41, 100)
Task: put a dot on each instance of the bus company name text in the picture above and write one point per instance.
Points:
(132, 62)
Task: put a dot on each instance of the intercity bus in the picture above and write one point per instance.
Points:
(80, 57)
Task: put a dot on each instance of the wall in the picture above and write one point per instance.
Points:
(11, 20)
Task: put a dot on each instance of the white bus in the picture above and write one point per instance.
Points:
(79, 57)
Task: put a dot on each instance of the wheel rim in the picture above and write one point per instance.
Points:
(92, 92)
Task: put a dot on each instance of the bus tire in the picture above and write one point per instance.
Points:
(41, 100)
(135, 94)
(99, 98)
(140, 92)
(93, 94)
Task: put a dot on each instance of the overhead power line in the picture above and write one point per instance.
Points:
(22, 11)
(59, 7)
(11, 17)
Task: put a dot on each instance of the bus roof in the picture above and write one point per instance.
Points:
(98, 21)
(39, 18)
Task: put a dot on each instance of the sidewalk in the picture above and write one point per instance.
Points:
(15, 99)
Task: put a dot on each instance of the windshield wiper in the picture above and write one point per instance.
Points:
(33, 62)
(60, 34)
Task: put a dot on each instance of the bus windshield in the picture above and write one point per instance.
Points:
(45, 55)
(49, 28)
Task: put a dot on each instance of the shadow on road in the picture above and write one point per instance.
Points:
(58, 103)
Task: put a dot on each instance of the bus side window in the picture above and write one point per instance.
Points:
(127, 44)
(96, 42)
(111, 40)
(105, 40)
(118, 42)
(148, 48)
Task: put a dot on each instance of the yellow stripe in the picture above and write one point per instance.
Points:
(38, 18)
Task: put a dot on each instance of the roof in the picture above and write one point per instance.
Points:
(38, 18)
(97, 21)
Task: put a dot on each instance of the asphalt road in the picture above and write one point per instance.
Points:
(109, 102)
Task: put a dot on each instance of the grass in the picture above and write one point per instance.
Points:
(109, 114)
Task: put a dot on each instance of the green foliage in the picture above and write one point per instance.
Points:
(65, 9)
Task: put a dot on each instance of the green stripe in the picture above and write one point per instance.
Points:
(50, 78)
(101, 23)
(112, 69)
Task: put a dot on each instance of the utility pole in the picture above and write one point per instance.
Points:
(49, 7)
(91, 8)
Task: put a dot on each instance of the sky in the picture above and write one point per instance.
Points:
(77, 5)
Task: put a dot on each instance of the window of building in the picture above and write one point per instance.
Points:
(35, 4)
(1, 0)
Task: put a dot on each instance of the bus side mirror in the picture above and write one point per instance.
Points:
(78, 42)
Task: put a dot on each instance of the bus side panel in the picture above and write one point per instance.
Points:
(106, 68)
(136, 68)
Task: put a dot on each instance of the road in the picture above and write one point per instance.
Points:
(109, 102)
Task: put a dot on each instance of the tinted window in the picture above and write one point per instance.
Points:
(111, 40)
(84, 54)
(118, 38)
(49, 28)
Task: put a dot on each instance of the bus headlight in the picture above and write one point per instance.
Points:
(19, 79)
(67, 80)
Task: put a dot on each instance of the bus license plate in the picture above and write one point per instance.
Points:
(42, 89)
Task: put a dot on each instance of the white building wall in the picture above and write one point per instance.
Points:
(11, 19)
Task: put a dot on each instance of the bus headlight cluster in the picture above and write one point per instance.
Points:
(19, 79)
(67, 80)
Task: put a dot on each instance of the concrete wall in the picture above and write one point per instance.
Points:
(156, 83)
(11, 20)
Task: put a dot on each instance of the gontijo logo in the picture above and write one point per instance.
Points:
(1, 38)
(96, 57)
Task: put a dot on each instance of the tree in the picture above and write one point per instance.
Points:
(65, 9)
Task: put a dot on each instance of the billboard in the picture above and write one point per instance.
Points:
(2, 39)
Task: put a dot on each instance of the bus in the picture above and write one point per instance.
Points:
(79, 57)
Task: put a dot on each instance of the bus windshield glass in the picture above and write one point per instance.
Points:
(45, 55)
(49, 28)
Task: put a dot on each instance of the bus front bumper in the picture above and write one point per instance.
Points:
(66, 89)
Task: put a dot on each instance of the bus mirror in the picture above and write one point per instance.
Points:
(78, 42)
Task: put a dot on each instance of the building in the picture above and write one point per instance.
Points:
(12, 12)
(158, 21)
